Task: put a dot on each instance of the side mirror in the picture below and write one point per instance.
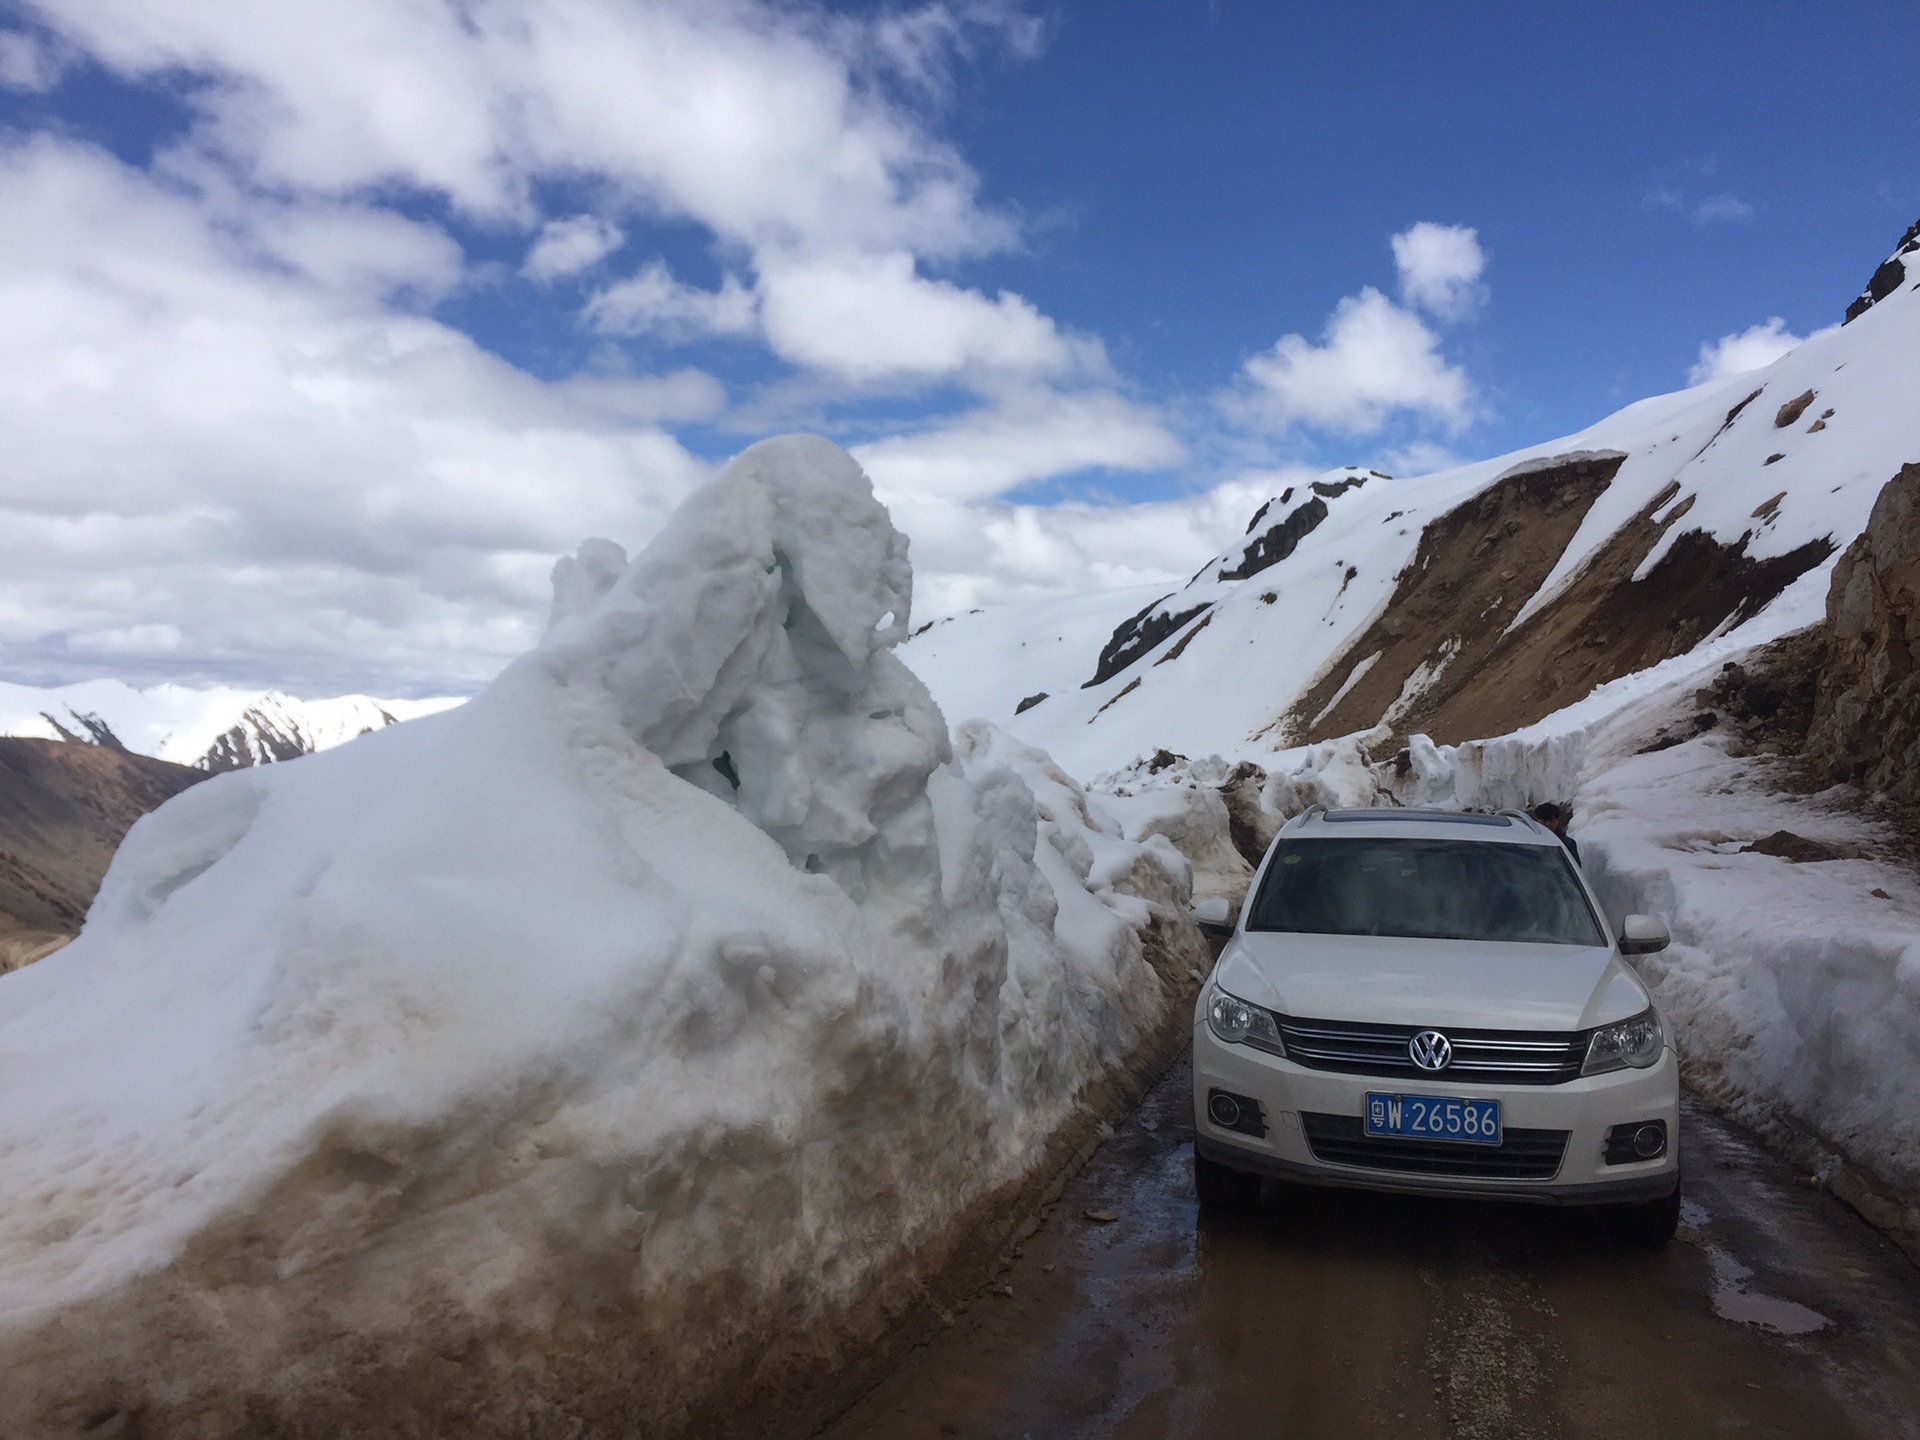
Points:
(1643, 935)
(1214, 915)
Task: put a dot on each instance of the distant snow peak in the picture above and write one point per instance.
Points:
(212, 729)
(281, 727)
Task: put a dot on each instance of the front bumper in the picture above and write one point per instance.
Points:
(1585, 1108)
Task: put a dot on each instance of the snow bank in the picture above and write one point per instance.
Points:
(1793, 989)
(1190, 817)
(584, 1055)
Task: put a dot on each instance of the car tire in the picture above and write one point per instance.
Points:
(1221, 1187)
(1651, 1222)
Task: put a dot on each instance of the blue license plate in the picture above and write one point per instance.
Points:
(1434, 1117)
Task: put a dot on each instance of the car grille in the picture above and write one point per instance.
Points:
(1499, 1057)
(1521, 1155)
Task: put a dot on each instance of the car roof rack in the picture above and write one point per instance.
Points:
(1517, 814)
(1384, 816)
(1312, 810)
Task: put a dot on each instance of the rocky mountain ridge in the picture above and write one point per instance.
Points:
(212, 729)
(1475, 601)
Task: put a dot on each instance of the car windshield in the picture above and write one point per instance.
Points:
(1425, 889)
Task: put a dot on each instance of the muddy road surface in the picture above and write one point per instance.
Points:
(1776, 1313)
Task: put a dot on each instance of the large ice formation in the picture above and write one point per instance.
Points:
(580, 1055)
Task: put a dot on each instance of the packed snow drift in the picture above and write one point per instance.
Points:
(585, 1055)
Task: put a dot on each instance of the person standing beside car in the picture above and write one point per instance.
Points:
(1555, 819)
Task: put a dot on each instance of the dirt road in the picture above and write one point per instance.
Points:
(1778, 1312)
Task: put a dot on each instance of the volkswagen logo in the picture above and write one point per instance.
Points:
(1430, 1050)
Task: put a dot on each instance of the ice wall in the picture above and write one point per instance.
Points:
(584, 1055)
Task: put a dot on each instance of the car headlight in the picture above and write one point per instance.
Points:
(1238, 1023)
(1636, 1042)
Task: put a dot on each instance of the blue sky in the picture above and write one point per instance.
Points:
(1231, 170)
(334, 326)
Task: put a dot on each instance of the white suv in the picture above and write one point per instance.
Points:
(1432, 1002)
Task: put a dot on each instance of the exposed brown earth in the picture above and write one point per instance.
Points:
(64, 809)
(1473, 572)
(1475, 568)
(1608, 624)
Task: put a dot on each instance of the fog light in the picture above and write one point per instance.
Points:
(1240, 1113)
(1639, 1140)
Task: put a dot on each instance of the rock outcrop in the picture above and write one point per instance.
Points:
(1866, 722)
(1138, 634)
(1891, 275)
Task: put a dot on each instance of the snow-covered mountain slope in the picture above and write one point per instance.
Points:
(579, 1060)
(1479, 599)
(215, 728)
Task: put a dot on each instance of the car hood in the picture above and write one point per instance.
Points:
(1469, 984)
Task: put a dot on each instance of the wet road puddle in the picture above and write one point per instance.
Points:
(1734, 1297)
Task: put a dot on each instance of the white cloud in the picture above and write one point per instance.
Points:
(566, 247)
(29, 63)
(1721, 209)
(220, 464)
(751, 120)
(862, 319)
(780, 129)
(994, 551)
(867, 318)
(1374, 359)
(132, 640)
(230, 457)
(1440, 268)
(236, 448)
(1751, 349)
(350, 249)
(679, 396)
(1029, 436)
(1422, 457)
(653, 302)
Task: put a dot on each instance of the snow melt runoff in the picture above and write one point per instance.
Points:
(583, 1055)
